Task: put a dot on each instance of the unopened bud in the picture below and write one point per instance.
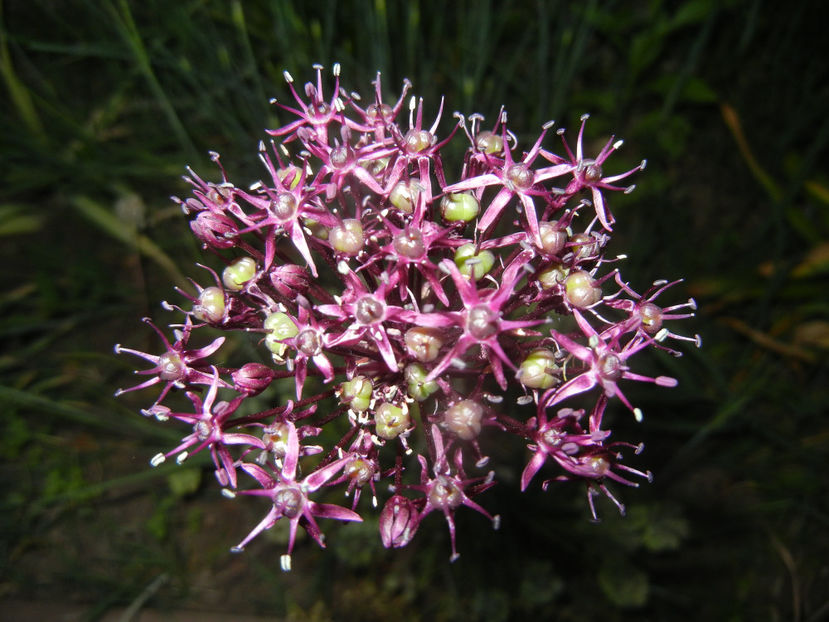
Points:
(214, 230)
(252, 378)
(399, 520)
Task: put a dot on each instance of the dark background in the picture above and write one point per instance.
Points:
(103, 105)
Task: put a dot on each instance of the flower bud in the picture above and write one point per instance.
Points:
(252, 378)
(399, 520)
(238, 273)
(289, 279)
(472, 264)
(390, 420)
(215, 230)
(459, 207)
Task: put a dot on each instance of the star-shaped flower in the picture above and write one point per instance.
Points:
(290, 497)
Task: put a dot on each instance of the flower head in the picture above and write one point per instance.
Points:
(406, 321)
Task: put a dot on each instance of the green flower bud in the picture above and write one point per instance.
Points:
(419, 387)
(238, 273)
(584, 245)
(471, 264)
(281, 326)
(418, 140)
(538, 369)
(356, 393)
(390, 420)
(460, 206)
(317, 230)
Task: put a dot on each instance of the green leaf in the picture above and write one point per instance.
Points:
(13, 221)
(184, 482)
(624, 584)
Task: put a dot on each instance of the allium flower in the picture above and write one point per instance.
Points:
(421, 321)
(176, 366)
(588, 173)
(290, 497)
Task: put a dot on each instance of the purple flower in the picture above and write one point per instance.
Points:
(407, 310)
(175, 366)
(517, 179)
(446, 491)
(480, 318)
(290, 499)
(588, 173)
(210, 422)
(606, 363)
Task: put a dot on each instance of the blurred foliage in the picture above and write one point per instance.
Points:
(106, 101)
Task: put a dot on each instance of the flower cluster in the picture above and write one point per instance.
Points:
(419, 319)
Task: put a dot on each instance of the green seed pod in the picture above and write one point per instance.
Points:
(581, 290)
(238, 273)
(291, 175)
(390, 420)
(552, 276)
(584, 245)
(459, 207)
(356, 393)
(489, 143)
(419, 387)
(347, 237)
(281, 326)
(473, 265)
(405, 194)
(211, 305)
(538, 369)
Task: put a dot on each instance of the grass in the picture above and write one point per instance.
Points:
(107, 101)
